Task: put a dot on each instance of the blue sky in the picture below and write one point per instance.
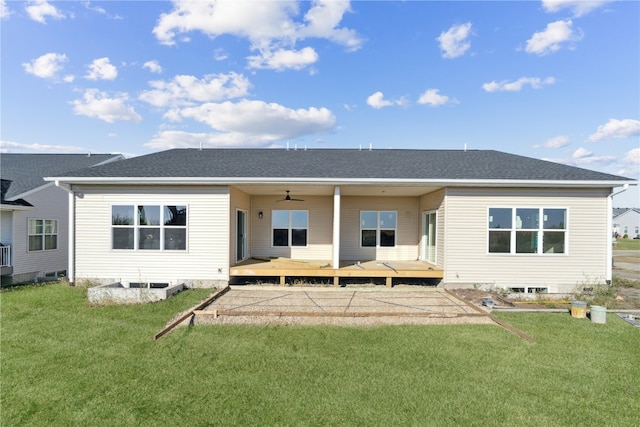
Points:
(556, 80)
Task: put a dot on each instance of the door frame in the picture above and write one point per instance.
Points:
(426, 241)
(242, 239)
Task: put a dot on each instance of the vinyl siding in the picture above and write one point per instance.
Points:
(207, 255)
(6, 228)
(49, 203)
(319, 237)
(467, 260)
(407, 232)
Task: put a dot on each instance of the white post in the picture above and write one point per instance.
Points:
(336, 227)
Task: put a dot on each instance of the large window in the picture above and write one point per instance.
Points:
(43, 234)
(378, 228)
(289, 228)
(149, 227)
(527, 230)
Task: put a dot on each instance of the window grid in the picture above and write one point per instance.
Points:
(538, 231)
(149, 227)
(42, 234)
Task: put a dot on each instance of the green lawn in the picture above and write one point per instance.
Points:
(65, 363)
(627, 244)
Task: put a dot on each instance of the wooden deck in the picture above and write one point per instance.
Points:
(284, 268)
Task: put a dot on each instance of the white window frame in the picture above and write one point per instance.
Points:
(44, 235)
(378, 229)
(136, 226)
(290, 228)
(540, 231)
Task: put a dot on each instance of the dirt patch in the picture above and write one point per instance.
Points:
(475, 296)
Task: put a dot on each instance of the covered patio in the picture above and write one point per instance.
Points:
(287, 270)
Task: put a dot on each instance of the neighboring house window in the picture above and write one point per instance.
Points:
(378, 228)
(527, 230)
(43, 234)
(149, 227)
(289, 228)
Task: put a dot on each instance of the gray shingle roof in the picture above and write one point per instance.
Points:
(445, 165)
(25, 172)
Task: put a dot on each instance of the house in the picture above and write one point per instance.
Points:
(626, 222)
(466, 218)
(34, 213)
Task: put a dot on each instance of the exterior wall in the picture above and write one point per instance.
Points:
(204, 263)
(407, 233)
(429, 203)
(6, 228)
(49, 203)
(239, 200)
(319, 237)
(467, 261)
(628, 223)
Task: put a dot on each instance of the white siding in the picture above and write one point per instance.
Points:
(205, 260)
(467, 260)
(319, 238)
(407, 233)
(50, 203)
(6, 227)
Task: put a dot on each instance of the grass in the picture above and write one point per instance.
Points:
(66, 363)
(627, 244)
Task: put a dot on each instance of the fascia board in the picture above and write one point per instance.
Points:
(340, 181)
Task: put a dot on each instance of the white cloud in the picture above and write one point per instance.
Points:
(516, 86)
(4, 10)
(615, 128)
(552, 38)
(269, 26)
(557, 142)
(185, 89)
(454, 42)
(577, 7)
(101, 69)
(377, 101)
(99, 105)
(245, 123)
(432, 97)
(283, 59)
(633, 157)
(8, 146)
(46, 66)
(153, 66)
(582, 156)
(39, 10)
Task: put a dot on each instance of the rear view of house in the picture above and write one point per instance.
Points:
(464, 218)
(34, 214)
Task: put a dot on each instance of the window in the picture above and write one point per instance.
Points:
(378, 229)
(43, 234)
(149, 227)
(289, 228)
(527, 230)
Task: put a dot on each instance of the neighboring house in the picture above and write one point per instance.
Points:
(34, 213)
(472, 218)
(626, 222)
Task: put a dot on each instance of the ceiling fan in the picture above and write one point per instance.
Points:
(288, 198)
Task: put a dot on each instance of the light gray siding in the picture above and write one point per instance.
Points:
(49, 203)
(468, 262)
(205, 261)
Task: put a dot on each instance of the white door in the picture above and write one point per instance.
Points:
(429, 236)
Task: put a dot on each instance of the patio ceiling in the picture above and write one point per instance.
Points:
(296, 190)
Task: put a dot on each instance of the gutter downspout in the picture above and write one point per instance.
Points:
(609, 277)
(71, 232)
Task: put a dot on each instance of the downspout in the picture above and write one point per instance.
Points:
(71, 231)
(336, 228)
(609, 277)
